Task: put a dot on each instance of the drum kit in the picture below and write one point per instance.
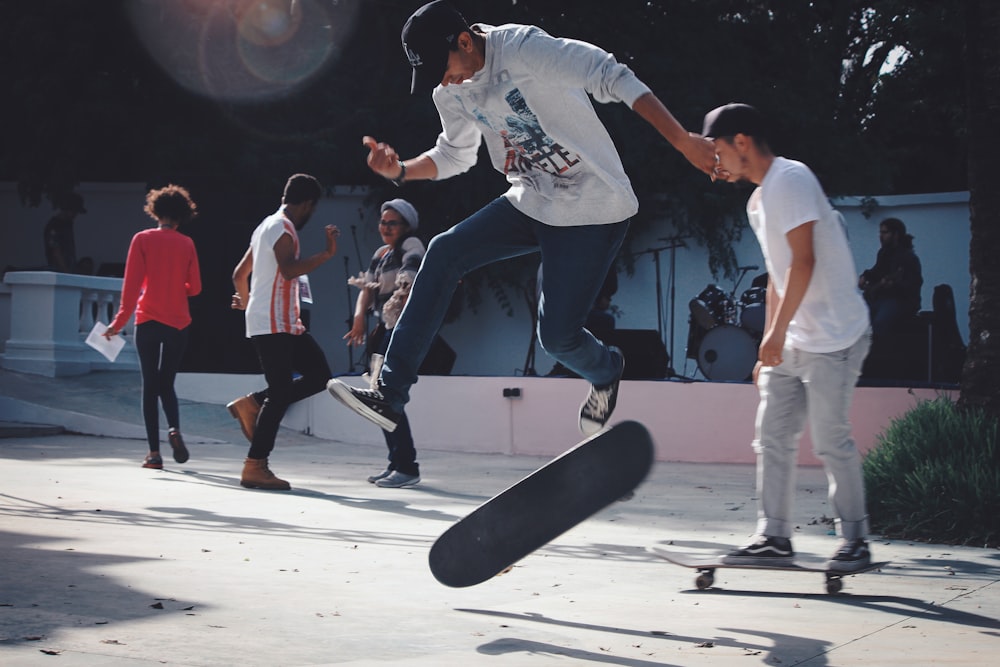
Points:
(724, 333)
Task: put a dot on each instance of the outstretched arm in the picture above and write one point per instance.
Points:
(698, 150)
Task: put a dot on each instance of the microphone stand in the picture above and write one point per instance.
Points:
(350, 312)
(673, 243)
(529, 360)
(350, 309)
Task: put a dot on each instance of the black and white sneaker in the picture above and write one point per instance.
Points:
(596, 410)
(852, 555)
(368, 403)
(762, 550)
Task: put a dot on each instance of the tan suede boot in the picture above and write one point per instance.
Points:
(256, 475)
(244, 410)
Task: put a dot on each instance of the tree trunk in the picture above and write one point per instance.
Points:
(980, 383)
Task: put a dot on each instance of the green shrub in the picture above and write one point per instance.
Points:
(934, 475)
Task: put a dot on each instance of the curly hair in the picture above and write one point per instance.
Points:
(172, 202)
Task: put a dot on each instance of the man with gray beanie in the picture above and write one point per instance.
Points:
(816, 337)
(527, 95)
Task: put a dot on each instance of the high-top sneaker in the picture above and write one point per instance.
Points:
(596, 410)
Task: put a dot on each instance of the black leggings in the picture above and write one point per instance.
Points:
(160, 350)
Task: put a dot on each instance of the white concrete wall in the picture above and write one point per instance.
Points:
(489, 342)
(702, 422)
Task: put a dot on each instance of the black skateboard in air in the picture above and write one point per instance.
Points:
(602, 469)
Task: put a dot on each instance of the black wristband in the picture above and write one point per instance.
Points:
(398, 181)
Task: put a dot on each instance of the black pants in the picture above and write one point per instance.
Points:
(160, 349)
(281, 356)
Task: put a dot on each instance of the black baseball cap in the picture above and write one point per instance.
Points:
(427, 37)
(732, 119)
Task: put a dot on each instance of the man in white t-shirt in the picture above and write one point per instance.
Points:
(816, 337)
(527, 96)
(267, 282)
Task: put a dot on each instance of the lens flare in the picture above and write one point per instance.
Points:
(243, 50)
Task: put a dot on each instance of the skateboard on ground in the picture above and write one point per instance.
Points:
(602, 469)
(707, 565)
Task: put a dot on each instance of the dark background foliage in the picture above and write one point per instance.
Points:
(90, 99)
(86, 101)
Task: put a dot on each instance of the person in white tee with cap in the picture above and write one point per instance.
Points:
(816, 337)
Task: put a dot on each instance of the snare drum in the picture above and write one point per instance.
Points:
(727, 352)
(753, 309)
(712, 307)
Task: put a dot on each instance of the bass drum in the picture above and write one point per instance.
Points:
(727, 353)
(753, 309)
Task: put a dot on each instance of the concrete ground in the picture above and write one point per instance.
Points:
(105, 563)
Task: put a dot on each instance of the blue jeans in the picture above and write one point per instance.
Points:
(887, 314)
(399, 442)
(817, 386)
(575, 262)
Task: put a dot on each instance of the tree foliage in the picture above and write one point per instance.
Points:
(91, 102)
(92, 99)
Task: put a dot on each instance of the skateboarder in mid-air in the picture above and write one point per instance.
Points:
(815, 339)
(527, 95)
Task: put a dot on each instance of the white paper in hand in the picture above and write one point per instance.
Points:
(109, 348)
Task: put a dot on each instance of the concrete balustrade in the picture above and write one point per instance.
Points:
(50, 315)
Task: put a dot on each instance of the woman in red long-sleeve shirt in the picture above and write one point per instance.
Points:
(161, 272)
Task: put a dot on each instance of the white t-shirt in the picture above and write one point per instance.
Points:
(274, 300)
(530, 104)
(833, 314)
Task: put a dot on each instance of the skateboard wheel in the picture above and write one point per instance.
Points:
(704, 580)
(834, 585)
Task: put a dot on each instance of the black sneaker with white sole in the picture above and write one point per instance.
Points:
(762, 550)
(852, 555)
(368, 403)
(596, 410)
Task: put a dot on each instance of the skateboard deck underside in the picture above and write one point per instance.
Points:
(543, 505)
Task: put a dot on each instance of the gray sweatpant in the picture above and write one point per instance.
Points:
(817, 386)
